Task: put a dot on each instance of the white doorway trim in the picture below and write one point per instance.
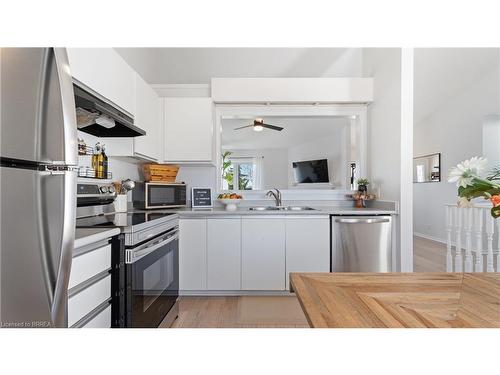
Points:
(406, 172)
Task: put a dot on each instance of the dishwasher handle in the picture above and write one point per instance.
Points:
(362, 221)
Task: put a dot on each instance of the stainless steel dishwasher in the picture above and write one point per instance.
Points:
(361, 243)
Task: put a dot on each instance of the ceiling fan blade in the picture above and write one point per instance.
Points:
(273, 127)
(243, 127)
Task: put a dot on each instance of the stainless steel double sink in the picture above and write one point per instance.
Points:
(283, 208)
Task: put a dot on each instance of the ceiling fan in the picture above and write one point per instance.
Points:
(258, 125)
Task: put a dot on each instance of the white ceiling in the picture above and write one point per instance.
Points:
(199, 65)
(440, 73)
(297, 130)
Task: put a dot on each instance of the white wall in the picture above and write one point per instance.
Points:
(199, 65)
(455, 130)
(384, 120)
(333, 148)
(187, 72)
(197, 176)
(121, 169)
(491, 139)
(274, 162)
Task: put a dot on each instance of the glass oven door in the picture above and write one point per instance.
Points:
(152, 280)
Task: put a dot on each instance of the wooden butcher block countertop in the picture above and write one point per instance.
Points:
(399, 300)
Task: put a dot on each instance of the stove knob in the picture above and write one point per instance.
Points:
(103, 189)
(111, 189)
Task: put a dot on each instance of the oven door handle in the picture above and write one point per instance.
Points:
(133, 255)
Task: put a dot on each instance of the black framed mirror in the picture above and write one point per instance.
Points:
(427, 168)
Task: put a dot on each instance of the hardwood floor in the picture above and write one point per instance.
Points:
(279, 311)
(240, 312)
(428, 256)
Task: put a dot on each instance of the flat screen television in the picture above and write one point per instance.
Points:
(310, 171)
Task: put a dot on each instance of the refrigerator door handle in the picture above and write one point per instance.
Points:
(68, 106)
(58, 296)
(49, 273)
(59, 301)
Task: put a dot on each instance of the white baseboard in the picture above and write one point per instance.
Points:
(232, 293)
(427, 237)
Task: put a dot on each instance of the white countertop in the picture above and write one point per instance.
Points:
(87, 236)
(244, 211)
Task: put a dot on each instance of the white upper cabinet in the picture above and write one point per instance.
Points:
(263, 253)
(307, 244)
(147, 117)
(188, 128)
(104, 71)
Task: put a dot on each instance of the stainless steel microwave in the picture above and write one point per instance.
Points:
(148, 195)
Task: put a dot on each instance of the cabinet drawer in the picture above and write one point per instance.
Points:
(89, 264)
(102, 320)
(88, 299)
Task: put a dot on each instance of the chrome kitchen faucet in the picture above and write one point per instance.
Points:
(276, 195)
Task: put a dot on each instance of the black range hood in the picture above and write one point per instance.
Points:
(90, 107)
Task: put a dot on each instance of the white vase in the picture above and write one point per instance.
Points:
(121, 203)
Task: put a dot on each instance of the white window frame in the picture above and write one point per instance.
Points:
(235, 162)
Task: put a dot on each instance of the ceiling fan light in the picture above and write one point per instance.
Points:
(258, 128)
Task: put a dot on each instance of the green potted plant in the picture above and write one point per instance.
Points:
(363, 185)
(227, 169)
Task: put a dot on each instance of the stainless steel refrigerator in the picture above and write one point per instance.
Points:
(37, 186)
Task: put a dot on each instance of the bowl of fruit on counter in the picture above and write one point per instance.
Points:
(231, 200)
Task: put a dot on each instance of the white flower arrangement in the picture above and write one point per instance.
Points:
(467, 176)
(465, 172)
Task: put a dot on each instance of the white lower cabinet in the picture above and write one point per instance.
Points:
(89, 287)
(101, 320)
(263, 253)
(80, 304)
(224, 254)
(307, 244)
(250, 253)
(89, 264)
(193, 254)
